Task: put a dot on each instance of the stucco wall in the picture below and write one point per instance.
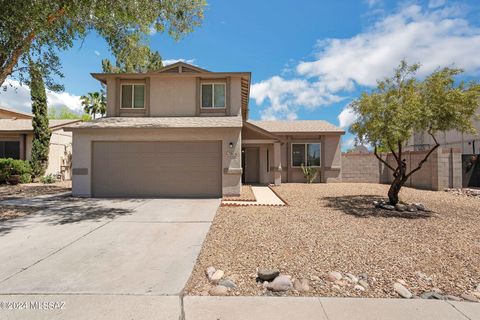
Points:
(173, 96)
(442, 170)
(82, 142)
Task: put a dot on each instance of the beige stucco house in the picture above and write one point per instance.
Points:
(184, 131)
(16, 135)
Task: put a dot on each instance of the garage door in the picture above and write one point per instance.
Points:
(156, 169)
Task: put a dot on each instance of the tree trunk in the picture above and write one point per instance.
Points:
(395, 190)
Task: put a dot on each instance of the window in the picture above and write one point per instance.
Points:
(307, 154)
(133, 96)
(10, 149)
(213, 95)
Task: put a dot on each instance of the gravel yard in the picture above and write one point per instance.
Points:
(334, 227)
(246, 194)
(33, 189)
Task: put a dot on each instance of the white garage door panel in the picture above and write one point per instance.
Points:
(149, 169)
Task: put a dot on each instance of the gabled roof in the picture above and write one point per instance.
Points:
(181, 67)
(297, 126)
(159, 122)
(25, 125)
(14, 114)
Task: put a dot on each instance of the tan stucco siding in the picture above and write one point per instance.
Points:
(59, 156)
(82, 158)
(172, 97)
(332, 159)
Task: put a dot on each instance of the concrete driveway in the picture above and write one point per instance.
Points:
(123, 259)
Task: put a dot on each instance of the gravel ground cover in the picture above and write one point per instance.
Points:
(33, 189)
(246, 194)
(334, 227)
(10, 212)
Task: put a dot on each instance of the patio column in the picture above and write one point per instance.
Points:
(277, 163)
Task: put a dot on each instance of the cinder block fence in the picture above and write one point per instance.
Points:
(442, 170)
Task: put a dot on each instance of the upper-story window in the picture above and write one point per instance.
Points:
(213, 95)
(133, 96)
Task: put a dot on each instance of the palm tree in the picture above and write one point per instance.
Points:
(94, 103)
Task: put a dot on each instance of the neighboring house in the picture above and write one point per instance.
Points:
(184, 131)
(467, 143)
(16, 135)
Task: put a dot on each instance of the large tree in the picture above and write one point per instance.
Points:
(143, 62)
(41, 28)
(41, 129)
(402, 104)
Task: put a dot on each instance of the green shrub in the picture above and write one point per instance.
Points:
(26, 178)
(10, 167)
(309, 173)
(49, 178)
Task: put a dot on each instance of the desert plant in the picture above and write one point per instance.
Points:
(47, 179)
(26, 178)
(309, 173)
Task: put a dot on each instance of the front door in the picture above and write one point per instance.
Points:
(251, 167)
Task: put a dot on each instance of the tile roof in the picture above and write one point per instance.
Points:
(26, 124)
(161, 122)
(296, 126)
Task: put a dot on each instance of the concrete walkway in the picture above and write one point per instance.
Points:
(264, 196)
(101, 258)
(312, 308)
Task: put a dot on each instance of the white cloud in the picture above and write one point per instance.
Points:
(436, 3)
(372, 3)
(346, 118)
(18, 97)
(97, 53)
(167, 62)
(437, 37)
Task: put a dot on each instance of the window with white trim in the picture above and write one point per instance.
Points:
(133, 96)
(213, 95)
(306, 154)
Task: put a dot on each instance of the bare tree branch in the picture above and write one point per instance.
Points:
(420, 164)
(383, 161)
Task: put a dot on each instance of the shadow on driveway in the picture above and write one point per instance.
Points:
(65, 210)
(362, 206)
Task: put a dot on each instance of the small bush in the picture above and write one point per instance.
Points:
(11, 167)
(47, 179)
(309, 173)
(26, 178)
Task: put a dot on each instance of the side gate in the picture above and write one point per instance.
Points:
(470, 170)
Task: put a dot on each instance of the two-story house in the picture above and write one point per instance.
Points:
(184, 131)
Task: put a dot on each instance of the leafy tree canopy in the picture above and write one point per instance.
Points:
(402, 104)
(40, 28)
(140, 63)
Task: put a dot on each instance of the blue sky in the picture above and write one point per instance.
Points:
(308, 59)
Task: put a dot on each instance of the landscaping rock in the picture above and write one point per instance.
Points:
(402, 282)
(227, 283)
(301, 285)
(359, 287)
(476, 294)
(376, 203)
(364, 284)
(419, 206)
(342, 283)
(336, 287)
(402, 291)
(431, 295)
(478, 288)
(217, 276)
(280, 283)
(437, 290)
(452, 298)
(315, 278)
(363, 276)
(334, 276)
(400, 207)
(209, 272)
(468, 297)
(218, 291)
(412, 208)
(387, 207)
(351, 278)
(267, 274)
